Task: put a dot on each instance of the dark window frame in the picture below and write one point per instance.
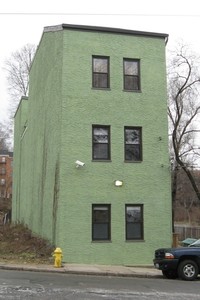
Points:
(136, 78)
(139, 222)
(105, 74)
(127, 145)
(108, 222)
(94, 158)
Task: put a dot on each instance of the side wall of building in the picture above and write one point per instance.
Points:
(6, 171)
(40, 175)
(19, 207)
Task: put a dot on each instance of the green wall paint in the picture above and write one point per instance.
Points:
(56, 201)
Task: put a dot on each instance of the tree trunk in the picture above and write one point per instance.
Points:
(174, 190)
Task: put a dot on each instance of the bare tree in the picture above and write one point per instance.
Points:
(183, 112)
(18, 68)
(187, 205)
(4, 137)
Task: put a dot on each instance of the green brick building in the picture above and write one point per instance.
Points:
(97, 95)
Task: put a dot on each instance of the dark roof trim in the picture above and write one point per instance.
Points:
(114, 30)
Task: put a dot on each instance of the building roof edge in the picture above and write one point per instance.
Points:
(22, 98)
(105, 29)
(114, 30)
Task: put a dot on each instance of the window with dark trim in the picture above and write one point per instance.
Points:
(131, 74)
(101, 220)
(134, 222)
(133, 144)
(100, 142)
(100, 72)
(3, 171)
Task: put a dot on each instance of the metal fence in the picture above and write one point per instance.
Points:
(186, 231)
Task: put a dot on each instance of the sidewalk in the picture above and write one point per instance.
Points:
(98, 270)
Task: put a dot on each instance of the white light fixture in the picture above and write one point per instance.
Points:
(118, 182)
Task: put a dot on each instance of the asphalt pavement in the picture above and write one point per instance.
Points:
(82, 269)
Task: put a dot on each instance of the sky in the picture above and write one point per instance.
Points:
(22, 22)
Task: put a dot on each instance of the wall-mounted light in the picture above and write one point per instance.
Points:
(118, 182)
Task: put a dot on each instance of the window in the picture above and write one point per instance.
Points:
(131, 75)
(2, 194)
(133, 143)
(100, 222)
(101, 142)
(134, 222)
(100, 72)
(2, 171)
(3, 159)
(2, 181)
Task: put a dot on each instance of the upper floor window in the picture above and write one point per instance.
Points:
(100, 72)
(2, 181)
(100, 142)
(131, 74)
(133, 143)
(3, 159)
(101, 222)
(134, 222)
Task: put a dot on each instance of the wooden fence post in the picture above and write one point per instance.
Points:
(175, 240)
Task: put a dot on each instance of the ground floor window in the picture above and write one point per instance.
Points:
(101, 222)
(134, 222)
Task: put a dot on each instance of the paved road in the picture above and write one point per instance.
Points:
(22, 285)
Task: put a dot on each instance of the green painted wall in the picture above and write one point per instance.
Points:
(41, 173)
(20, 126)
(62, 108)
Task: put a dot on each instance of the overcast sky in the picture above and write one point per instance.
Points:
(22, 22)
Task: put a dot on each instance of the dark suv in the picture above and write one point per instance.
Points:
(183, 262)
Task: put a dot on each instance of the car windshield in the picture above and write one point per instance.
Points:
(195, 244)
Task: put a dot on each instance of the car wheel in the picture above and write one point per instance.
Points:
(170, 274)
(188, 270)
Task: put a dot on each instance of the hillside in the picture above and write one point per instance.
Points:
(19, 245)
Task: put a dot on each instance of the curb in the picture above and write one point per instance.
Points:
(131, 274)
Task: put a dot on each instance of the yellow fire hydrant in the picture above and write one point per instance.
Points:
(57, 257)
